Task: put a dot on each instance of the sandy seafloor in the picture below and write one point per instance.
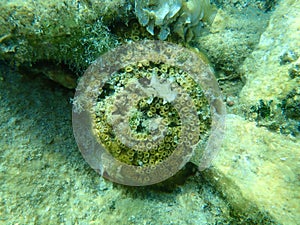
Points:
(45, 180)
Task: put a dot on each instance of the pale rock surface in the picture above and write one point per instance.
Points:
(266, 77)
(258, 171)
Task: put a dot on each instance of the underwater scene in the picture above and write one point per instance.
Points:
(146, 112)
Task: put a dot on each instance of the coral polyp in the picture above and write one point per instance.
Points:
(139, 117)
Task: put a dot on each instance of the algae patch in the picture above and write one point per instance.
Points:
(185, 18)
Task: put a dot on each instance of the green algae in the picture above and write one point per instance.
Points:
(69, 32)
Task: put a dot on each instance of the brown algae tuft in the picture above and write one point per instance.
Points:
(141, 111)
(185, 18)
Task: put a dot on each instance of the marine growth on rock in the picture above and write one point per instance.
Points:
(183, 17)
(143, 109)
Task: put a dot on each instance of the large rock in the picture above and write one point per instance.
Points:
(267, 69)
(69, 32)
(258, 171)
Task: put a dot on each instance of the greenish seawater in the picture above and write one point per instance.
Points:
(253, 47)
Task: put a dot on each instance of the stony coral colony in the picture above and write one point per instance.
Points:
(152, 101)
(150, 122)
